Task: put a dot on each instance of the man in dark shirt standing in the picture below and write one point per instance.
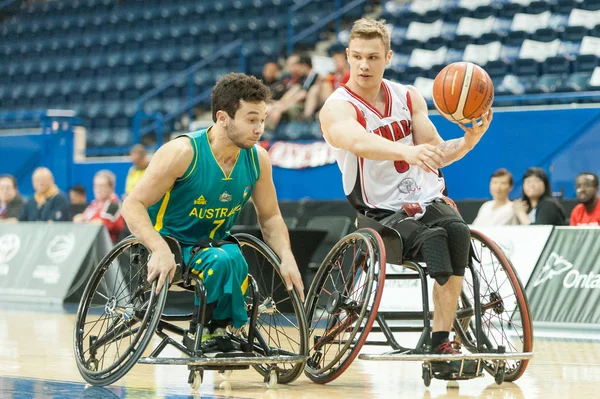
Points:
(48, 202)
(11, 203)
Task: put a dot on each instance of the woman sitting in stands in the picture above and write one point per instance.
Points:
(537, 206)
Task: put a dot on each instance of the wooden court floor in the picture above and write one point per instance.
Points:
(37, 361)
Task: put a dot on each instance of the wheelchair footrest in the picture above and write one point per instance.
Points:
(441, 358)
(224, 359)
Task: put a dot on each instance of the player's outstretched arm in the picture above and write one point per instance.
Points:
(424, 131)
(342, 130)
(274, 230)
(168, 163)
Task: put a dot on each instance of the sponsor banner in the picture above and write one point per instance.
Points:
(565, 285)
(292, 155)
(521, 244)
(39, 262)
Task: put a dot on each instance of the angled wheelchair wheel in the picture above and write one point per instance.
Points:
(342, 303)
(117, 314)
(281, 327)
(505, 318)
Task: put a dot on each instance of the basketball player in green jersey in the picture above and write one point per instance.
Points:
(195, 187)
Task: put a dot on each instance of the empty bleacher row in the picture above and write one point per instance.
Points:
(99, 56)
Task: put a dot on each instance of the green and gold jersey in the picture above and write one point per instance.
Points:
(205, 202)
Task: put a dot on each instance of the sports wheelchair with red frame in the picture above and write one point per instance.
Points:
(492, 322)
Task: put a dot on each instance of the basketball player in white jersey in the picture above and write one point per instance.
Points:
(389, 153)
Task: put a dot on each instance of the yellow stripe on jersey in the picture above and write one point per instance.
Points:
(254, 162)
(195, 160)
(161, 211)
(244, 286)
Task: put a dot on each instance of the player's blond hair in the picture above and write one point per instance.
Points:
(365, 28)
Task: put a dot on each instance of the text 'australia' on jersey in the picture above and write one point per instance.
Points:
(205, 202)
(370, 184)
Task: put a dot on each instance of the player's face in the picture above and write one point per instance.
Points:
(585, 189)
(367, 59)
(534, 187)
(248, 125)
(102, 188)
(500, 187)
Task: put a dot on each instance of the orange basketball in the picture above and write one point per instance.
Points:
(463, 91)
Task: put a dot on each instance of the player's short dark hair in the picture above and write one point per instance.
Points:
(11, 178)
(504, 172)
(78, 188)
(594, 177)
(232, 88)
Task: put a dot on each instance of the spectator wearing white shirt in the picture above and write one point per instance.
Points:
(499, 211)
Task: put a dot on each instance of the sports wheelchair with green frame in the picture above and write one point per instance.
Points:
(492, 321)
(120, 312)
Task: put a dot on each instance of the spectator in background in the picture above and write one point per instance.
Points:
(340, 75)
(11, 203)
(48, 202)
(498, 211)
(302, 98)
(139, 159)
(77, 200)
(271, 77)
(587, 212)
(537, 206)
(105, 208)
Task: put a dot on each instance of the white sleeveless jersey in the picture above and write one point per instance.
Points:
(370, 184)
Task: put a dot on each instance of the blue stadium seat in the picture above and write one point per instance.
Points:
(585, 63)
(564, 6)
(556, 65)
(592, 5)
(497, 68)
(435, 43)
(482, 12)
(538, 7)
(573, 33)
(578, 81)
(545, 35)
(455, 14)
(515, 38)
(525, 67)
(548, 83)
(489, 38)
(508, 10)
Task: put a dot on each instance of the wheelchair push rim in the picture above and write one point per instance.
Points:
(344, 307)
(129, 312)
(277, 330)
(505, 318)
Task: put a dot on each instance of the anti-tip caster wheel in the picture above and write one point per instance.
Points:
(225, 374)
(271, 380)
(195, 379)
(499, 377)
(427, 374)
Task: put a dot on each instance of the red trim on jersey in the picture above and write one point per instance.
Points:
(362, 182)
(359, 115)
(409, 102)
(388, 101)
